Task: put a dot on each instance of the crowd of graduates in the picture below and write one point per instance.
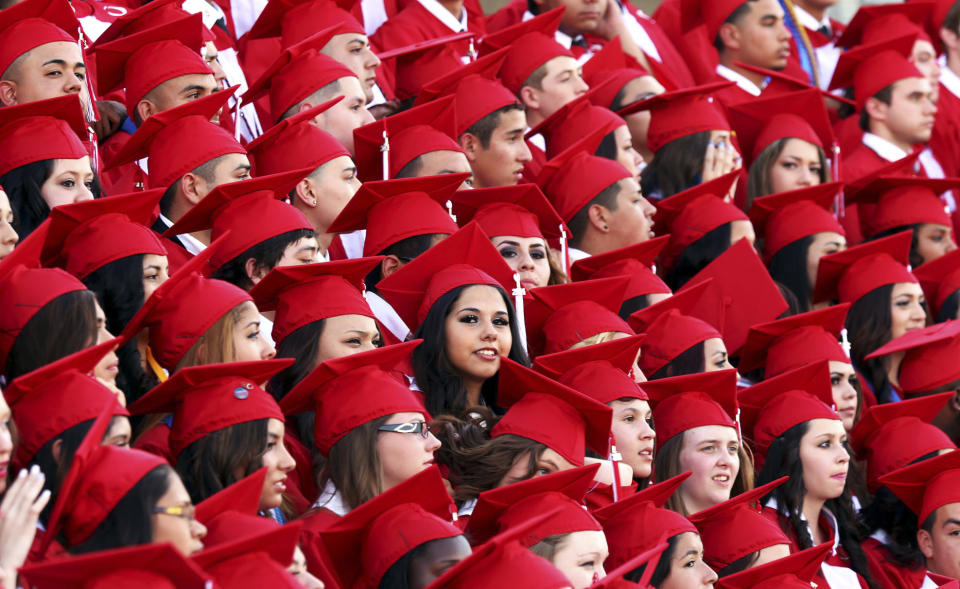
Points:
(398, 294)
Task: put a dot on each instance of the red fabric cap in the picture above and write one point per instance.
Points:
(42, 130)
(892, 436)
(253, 569)
(615, 578)
(744, 288)
(295, 20)
(691, 301)
(780, 84)
(30, 24)
(242, 496)
(671, 334)
(141, 18)
(711, 15)
(487, 66)
(545, 411)
(381, 531)
(939, 278)
(88, 235)
(796, 571)
(42, 408)
(762, 121)
(561, 493)
(300, 71)
(680, 113)
(232, 533)
(530, 45)
(563, 315)
(393, 210)
(350, 391)
(520, 210)
(635, 261)
(424, 61)
(872, 24)
(693, 400)
(409, 134)
(157, 566)
(780, 219)
(608, 71)
(927, 485)
(777, 404)
(788, 343)
(295, 143)
(208, 398)
(639, 521)
(250, 211)
(477, 96)
(871, 68)
(465, 258)
(575, 177)
(142, 61)
(572, 122)
(179, 140)
(899, 201)
(601, 371)
(735, 528)
(848, 275)
(930, 359)
(334, 288)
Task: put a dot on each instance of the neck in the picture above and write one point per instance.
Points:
(884, 133)
(594, 242)
(727, 61)
(454, 7)
(811, 511)
(324, 239)
(816, 12)
(953, 61)
(891, 365)
(473, 392)
(143, 338)
(203, 237)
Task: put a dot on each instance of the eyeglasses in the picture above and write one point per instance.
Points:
(187, 512)
(411, 427)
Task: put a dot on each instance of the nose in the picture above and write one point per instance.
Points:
(526, 263)
(83, 194)
(489, 332)
(580, 85)
(9, 236)
(524, 155)
(373, 62)
(73, 84)
(197, 530)
(709, 577)
(268, 351)
(286, 462)
(849, 393)
(432, 443)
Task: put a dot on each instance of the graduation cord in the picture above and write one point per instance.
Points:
(155, 367)
(518, 293)
(808, 57)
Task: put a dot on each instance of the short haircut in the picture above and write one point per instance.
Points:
(607, 198)
(885, 96)
(317, 97)
(266, 255)
(412, 168)
(207, 171)
(733, 19)
(535, 80)
(484, 128)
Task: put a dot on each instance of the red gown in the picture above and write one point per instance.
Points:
(886, 572)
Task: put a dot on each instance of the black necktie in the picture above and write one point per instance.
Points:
(825, 31)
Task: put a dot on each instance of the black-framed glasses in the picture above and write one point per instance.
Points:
(411, 427)
(187, 512)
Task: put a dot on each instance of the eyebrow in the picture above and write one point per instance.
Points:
(156, 266)
(193, 87)
(951, 521)
(508, 242)
(245, 167)
(308, 248)
(514, 131)
(63, 62)
(253, 324)
(351, 169)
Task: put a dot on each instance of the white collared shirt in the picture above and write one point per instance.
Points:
(331, 499)
(374, 15)
(807, 20)
(742, 82)
(387, 315)
(574, 254)
(949, 79)
(883, 148)
(827, 55)
(443, 15)
(565, 40)
(931, 166)
(639, 34)
(190, 243)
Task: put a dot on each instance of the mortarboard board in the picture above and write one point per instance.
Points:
(927, 485)
(520, 210)
(636, 261)
(45, 129)
(871, 68)
(295, 142)
(930, 355)
(939, 279)
(530, 45)
(848, 275)
(680, 113)
(796, 571)
(601, 371)
(30, 24)
(782, 218)
(785, 344)
(693, 400)
(761, 122)
(573, 178)
(901, 200)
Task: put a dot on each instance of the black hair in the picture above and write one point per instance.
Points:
(302, 345)
(484, 128)
(23, 186)
(405, 249)
(608, 147)
(443, 389)
(696, 256)
(736, 15)
(606, 198)
(266, 255)
(632, 305)
(868, 325)
(211, 463)
(741, 564)
(886, 512)
(948, 310)
(789, 267)
(885, 96)
(130, 522)
(412, 168)
(398, 575)
(661, 571)
(915, 258)
(690, 361)
(676, 166)
(207, 171)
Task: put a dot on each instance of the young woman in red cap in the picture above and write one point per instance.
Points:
(8, 235)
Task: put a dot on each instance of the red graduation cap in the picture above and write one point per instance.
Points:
(785, 344)
(636, 261)
(475, 97)
(350, 391)
(366, 542)
(393, 210)
(543, 410)
(871, 68)
(939, 279)
(694, 212)
(530, 45)
(782, 218)
(891, 436)
(734, 529)
(404, 137)
(779, 403)
(680, 113)
(142, 61)
(615, 579)
(42, 406)
(693, 400)
(179, 140)
(299, 71)
(746, 291)
(930, 359)
(466, 257)
(520, 210)
(248, 550)
(796, 571)
(45, 129)
(900, 200)
(295, 143)
(144, 17)
(601, 371)
(422, 62)
(208, 398)
(762, 121)
(573, 121)
(779, 84)
(149, 566)
(848, 275)
(575, 177)
(872, 24)
(333, 289)
(295, 20)
(251, 211)
(561, 493)
(639, 521)
(487, 66)
(562, 315)
(711, 15)
(88, 235)
(927, 485)
(32, 23)
(242, 496)
(608, 71)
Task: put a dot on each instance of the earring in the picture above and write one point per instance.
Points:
(605, 228)
(314, 202)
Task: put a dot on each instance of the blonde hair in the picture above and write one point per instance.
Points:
(216, 345)
(600, 338)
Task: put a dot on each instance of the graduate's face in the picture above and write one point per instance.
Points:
(48, 71)
(908, 309)
(715, 355)
(824, 459)
(183, 531)
(548, 462)
(177, 91)
(108, 367)
(334, 184)
(8, 235)
(823, 244)
(580, 16)
(562, 83)
(278, 462)
(501, 162)
(711, 453)
(844, 383)
(345, 335)
(119, 432)
(156, 271)
(580, 557)
(302, 251)
(477, 333)
(632, 221)
(639, 122)
(342, 118)
(627, 156)
(941, 545)
(934, 240)
(924, 56)
(797, 166)
(446, 161)
(687, 568)
(353, 50)
(526, 255)
(403, 455)
(633, 431)
(436, 558)
(249, 345)
(910, 114)
(69, 182)
(762, 37)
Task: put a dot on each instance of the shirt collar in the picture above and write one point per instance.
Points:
(443, 15)
(560, 37)
(742, 82)
(808, 21)
(883, 148)
(190, 243)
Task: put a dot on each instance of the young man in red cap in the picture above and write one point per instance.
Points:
(752, 33)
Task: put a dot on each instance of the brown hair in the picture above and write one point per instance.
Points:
(215, 346)
(666, 464)
(548, 547)
(353, 465)
(758, 182)
(557, 274)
